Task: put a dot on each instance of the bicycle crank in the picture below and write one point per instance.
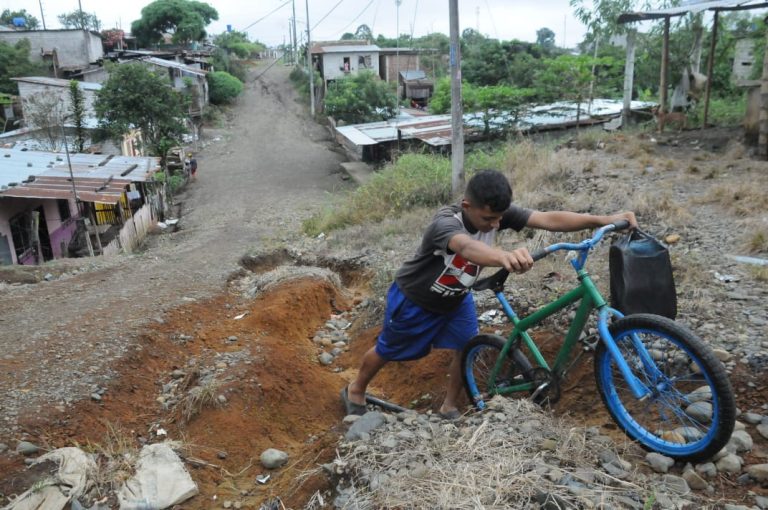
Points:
(546, 387)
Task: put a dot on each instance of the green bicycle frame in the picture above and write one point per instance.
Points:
(590, 298)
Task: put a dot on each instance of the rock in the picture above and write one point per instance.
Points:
(48, 276)
(272, 458)
(763, 430)
(731, 463)
(326, 358)
(700, 411)
(659, 463)
(222, 455)
(695, 481)
(228, 504)
(721, 354)
(707, 469)
(95, 397)
(740, 441)
(3, 447)
(761, 502)
(674, 485)
(222, 399)
(365, 425)
(752, 418)
(728, 506)
(27, 448)
(233, 338)
(178, 374)
(669, 239)
(758, 471)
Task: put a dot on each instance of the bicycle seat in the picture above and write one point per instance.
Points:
(495, 282)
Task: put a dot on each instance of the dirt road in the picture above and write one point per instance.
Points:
(269, 168)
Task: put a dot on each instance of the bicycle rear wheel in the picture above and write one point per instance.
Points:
(477, 362)
(690, 412)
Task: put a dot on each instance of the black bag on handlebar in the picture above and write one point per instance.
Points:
(641, 276)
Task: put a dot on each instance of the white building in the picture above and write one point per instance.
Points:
(339, 59)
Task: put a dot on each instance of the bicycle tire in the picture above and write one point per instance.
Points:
(685, 370)
(479, 358)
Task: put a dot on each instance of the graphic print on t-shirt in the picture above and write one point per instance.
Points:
(458, 276)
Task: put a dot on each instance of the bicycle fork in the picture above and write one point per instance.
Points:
(639, 390)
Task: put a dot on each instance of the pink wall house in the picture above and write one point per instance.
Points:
(57, 227)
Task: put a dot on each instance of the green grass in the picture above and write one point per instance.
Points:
(414, 180)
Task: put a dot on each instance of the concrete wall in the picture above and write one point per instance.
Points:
(333, 64)
(27, 90)
(75, 49)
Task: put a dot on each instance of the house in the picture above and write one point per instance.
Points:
(415, 86)
(182, 76)
(338, 59)
(67, 51)
(42, 208)
(58, 89)
(393, 61)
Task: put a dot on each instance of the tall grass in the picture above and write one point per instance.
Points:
(413, 181)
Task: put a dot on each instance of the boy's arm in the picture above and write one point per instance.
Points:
(566, 221)
(477, 252)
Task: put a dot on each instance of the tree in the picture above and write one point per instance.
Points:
(113, 37)
(238, 43)
(545, 38)
(361, 97)
(364, 32)
(347, 36)
(77, 113)
(136, 98)
(223, 87)
(30, 22)
(185, 19)
(45, 112)
(14, 61)
(80, 20)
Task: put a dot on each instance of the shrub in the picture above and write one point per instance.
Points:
(223, 87)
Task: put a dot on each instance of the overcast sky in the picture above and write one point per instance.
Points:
(503, 19)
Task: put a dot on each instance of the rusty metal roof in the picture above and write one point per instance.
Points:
(98, 178)
(693, 6)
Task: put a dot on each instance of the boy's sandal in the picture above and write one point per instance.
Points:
(351, 407)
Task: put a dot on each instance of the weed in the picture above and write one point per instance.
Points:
(117, 455)
(657, 205)
(199, 398)
(759, 273)
(758, 240)
(743, 198)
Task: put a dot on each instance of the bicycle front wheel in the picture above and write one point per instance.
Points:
(690, 411)
(477, 362)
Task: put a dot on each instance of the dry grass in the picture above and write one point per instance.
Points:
(656, 206)
(743, 198)
(497, 464)
(197, 399)
(116, 458)
(759, 273)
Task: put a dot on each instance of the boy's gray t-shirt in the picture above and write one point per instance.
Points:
(437, 279)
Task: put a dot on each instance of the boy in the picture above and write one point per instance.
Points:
(429, 304)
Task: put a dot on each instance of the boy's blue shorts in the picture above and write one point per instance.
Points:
(410, 332)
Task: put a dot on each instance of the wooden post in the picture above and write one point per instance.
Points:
(664, 68)
(710, 66)
(629, 75)
(762, 142)
(457, 111)
(34, 228)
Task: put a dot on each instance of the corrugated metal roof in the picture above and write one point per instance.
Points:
(46, 174)
(694, 6)
(360, 48)
(169, 63)
(413, 74)
(56, 82)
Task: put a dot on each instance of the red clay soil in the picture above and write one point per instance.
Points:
(283, 398)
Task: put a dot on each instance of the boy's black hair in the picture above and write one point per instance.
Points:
(491, 188)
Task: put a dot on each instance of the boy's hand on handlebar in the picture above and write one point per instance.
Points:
(517, 261)
(628, 216)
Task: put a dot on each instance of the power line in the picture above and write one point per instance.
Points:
(267, 15)
(356, 17)
(328, 13)
(490, 15)
(375, 15)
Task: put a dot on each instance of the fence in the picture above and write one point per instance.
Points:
(133, 232)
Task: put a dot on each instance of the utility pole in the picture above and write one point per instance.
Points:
(457, 112)
(310, 69)
(397, 55)
(295, 42)
(78, 204)
(42, 14)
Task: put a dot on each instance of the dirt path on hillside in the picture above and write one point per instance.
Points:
(269, 169)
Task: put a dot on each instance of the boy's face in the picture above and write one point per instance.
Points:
(481, 218)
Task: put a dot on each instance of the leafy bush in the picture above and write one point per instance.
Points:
(362, 97)
(223, 87)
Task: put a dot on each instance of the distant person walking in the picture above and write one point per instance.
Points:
(192, 166)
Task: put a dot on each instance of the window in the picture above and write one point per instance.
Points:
(64, 212)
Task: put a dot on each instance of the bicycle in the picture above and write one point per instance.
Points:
(661, 384)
